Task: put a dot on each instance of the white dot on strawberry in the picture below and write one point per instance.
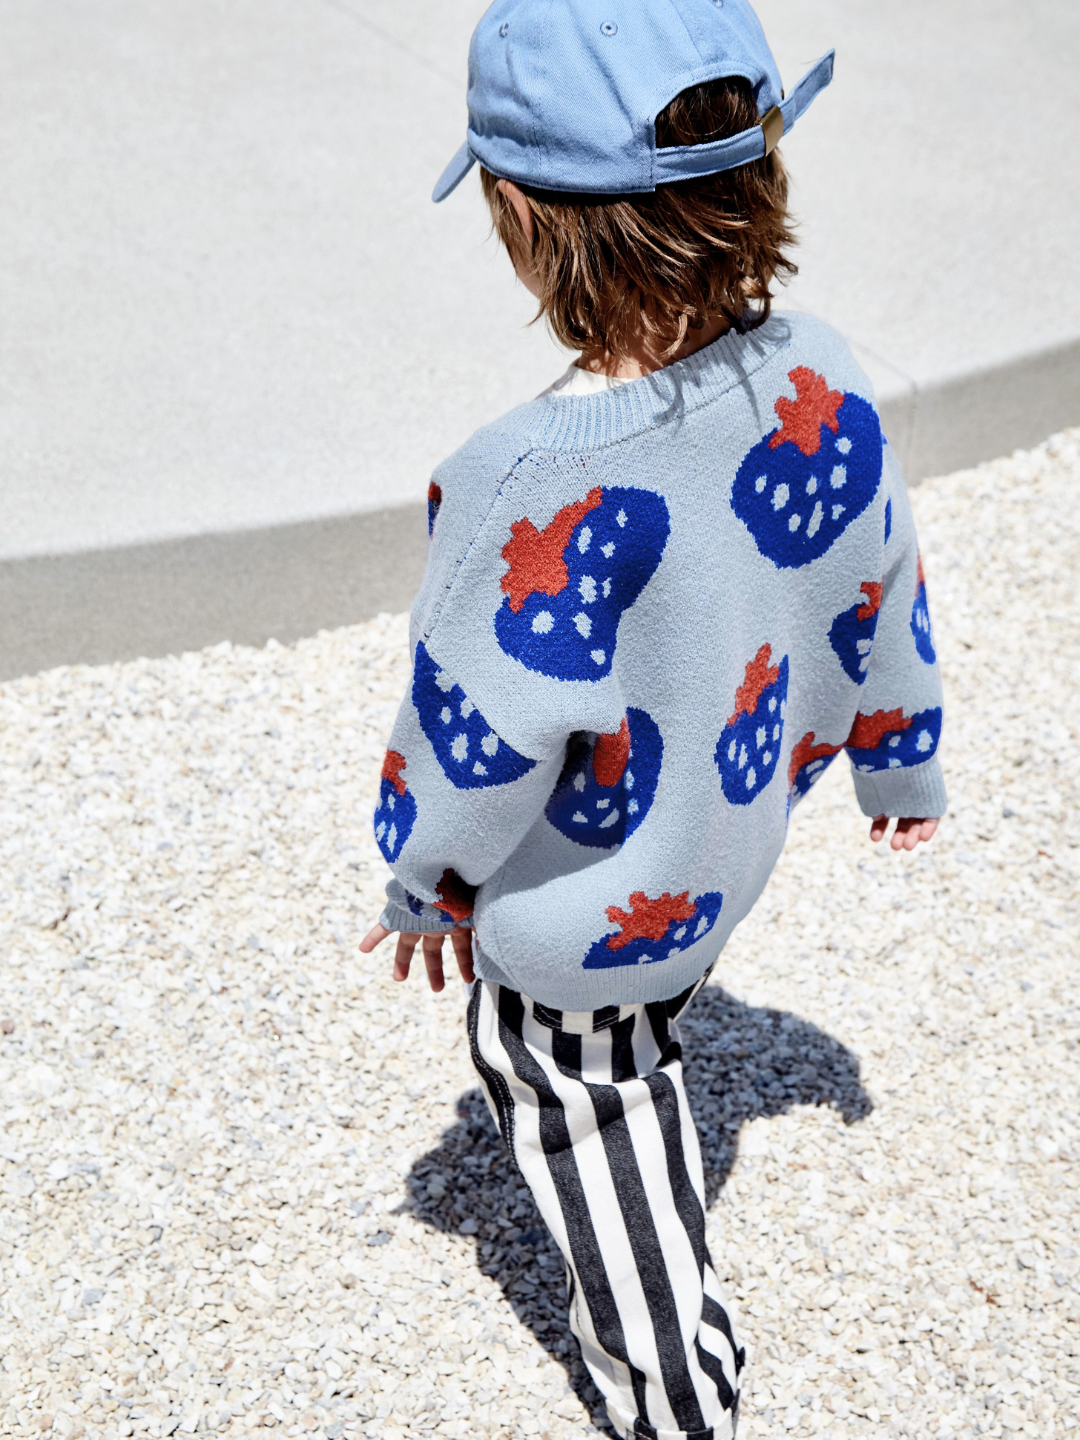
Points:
(584, 539)
(460, 748)
(838, 477)
(794, 523)
(844, 445)
(542, 622)
(444, 715)
(780, 496)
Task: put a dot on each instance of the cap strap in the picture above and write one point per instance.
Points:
(684, 162)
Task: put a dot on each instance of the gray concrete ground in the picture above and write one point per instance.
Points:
(231, 311)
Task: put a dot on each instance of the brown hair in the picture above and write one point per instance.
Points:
(615, 269)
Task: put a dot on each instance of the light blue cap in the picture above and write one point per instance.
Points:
(564, 94)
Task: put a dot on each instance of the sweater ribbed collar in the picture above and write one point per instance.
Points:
(578, 423)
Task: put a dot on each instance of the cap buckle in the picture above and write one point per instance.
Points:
(772, 127)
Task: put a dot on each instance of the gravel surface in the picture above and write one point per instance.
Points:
(248, 1183)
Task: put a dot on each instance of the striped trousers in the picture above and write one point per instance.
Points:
(593, 1109)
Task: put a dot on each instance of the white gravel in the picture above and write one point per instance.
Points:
(247, 1182)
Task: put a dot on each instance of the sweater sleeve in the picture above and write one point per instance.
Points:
(456, 795)
(455, 800)
(893, 742)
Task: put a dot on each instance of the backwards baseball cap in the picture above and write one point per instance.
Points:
(564, 94)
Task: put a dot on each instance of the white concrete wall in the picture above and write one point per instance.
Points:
(230, 308)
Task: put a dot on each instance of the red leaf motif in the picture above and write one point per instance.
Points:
(610, 754)
(872, 590)
(648, 919)
(814, 405)
(869, 730)
(392, 767)
(805, 752)
(759, 676)
(535, 557)
(456, 896)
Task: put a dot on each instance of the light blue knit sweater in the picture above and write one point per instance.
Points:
(650, 618)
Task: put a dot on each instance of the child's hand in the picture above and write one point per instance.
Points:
(461, 939)
(909, 831)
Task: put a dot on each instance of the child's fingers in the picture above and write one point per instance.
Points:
(433, 961)
(910, 829)
(375, 936)
(462, 943)
(403, 956)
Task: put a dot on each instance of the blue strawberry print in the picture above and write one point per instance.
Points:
(851, 634)
(607, 784)
(920, 622)
(472, 756)
(809, 761)
(749, 745)
(395, 814)
(434, 501)
(888, 520)
(800, 487)
(569, 584)
(653, 930)
(891, 740)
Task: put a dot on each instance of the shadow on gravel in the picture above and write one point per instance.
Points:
(741, 1062)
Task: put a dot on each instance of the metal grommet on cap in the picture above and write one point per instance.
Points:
(609, 28)
(504, 29)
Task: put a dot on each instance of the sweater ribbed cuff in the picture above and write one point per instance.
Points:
(916, 791)
(399, 917)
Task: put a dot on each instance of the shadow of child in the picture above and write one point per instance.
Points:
(741, 1062)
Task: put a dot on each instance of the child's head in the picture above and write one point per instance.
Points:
(627, 154)
(612, 271)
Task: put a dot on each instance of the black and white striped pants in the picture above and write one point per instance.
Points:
(593, 1108)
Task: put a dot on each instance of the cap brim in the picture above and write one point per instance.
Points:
(454, 173)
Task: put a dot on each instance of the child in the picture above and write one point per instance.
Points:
(659, 600)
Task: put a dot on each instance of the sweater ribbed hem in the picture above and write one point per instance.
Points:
(577, 989)
(916, 792)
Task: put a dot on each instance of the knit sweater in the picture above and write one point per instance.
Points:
(650, 618)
